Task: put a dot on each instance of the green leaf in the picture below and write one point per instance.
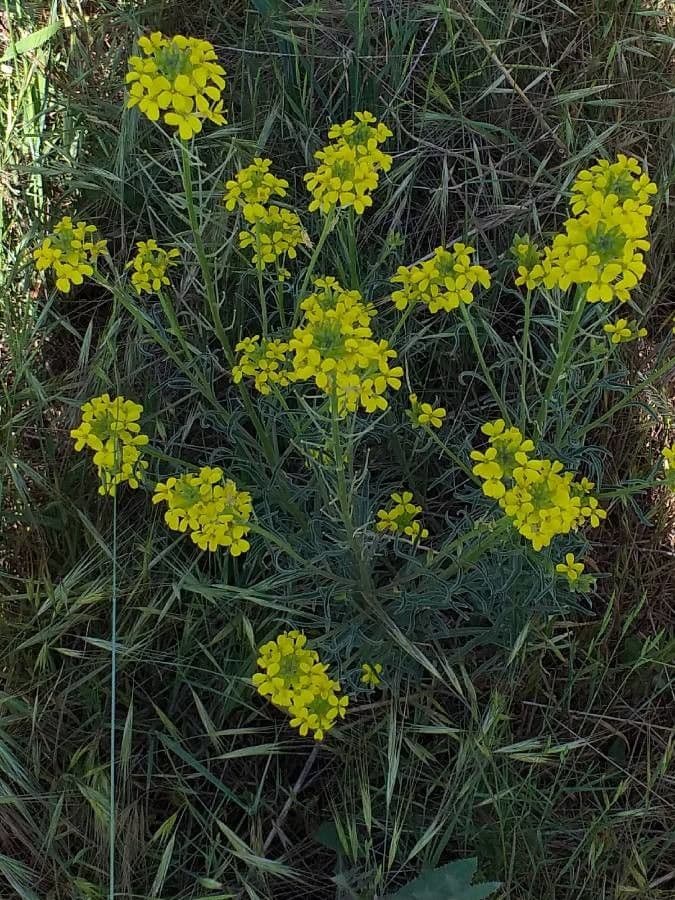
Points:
(449, 882)
(31, 41)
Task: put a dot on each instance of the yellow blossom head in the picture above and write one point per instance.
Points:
(178, 80)
(443, 282)
(208, 506)
(70, 251)
(254, 184)
(622, 331)
(570, 569)
(401, 517)
(110, 428)
(370, 674)
(425, 415)
(150, 266)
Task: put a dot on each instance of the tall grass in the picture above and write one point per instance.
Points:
(516, 724)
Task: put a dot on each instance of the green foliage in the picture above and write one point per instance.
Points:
(449, 882)
(517, 722)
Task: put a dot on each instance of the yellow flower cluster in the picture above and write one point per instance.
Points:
(150, 266)
(334, 346)
(265, 361)
(111, 429)
(536, 494)
(70, 251)
(622, 331)
(212, 509)
(296, 681)
(371, 674)
(442, 282)
(350, 165)
(601, 247)
(401, 518)
(274, 233)
(528, 261)
(254, 184)
(668, 454)
(571, 569)
(623, 179)
(424, 414)
(178, 79)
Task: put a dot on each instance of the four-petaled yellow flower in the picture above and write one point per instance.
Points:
(371, 674)
(296, 681)
(70, 252)
(212, 509)
(540, 498)
(274, 233)
(334, 346)
(349, 167)
(424, 414)
(179, 80)
(570, 568)
(150, 266)
(254, 184)
(442, 282)
(623, 179)
(401, 518)
(530, 273)
(111, 429)
(622, 331)
(265, 361)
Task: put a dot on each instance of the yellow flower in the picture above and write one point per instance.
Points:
(530, 273)
(623, 180)
(334, 346)
(212, 509)
(274, 233)
(177, 79)
(424, 414)
(254, 184)
(150, 266)
(570, 568)
(442, 282)
(70, 252)
(111, 429)
(293, 677)
(622, 331)
(265, 361)
(540, 498)
(401, 518)
(602, 250)
(371, 674)
(349, 166)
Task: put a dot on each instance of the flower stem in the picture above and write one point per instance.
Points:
(562, 358)
(481, 361)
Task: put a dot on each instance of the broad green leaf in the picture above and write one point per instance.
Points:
(31, 41)
(449, 882)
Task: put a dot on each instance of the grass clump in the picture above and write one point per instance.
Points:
(388, 416)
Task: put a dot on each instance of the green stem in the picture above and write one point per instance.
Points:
(665, 368)
(352, 251)
(261, 293)
(212, 301)
(209, 286)
(562, 357)
(325, 231)
(496, 396)
(401, 322)
(452, 456)
(525, 345)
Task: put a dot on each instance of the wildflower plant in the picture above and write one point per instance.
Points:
(443, 282)
(178, 80)
(70, 251)
(150, 266)
(295, 680)
(110, 428)
(211, 508)
(349, 166)
(622, 331)
(424, 414)
(273, 234)
(370, 674)
(401, 517)
(267, 362)
(255, 184)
